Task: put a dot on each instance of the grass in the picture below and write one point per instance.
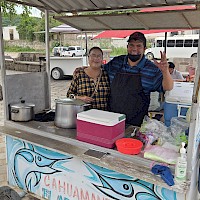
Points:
(118, 51)
(115, 51)
(21, 49)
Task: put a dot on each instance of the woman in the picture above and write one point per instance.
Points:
(91, 84)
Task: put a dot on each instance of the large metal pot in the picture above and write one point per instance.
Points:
(22, 111)
(66, 112)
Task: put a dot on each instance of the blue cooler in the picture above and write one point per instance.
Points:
(177, 101)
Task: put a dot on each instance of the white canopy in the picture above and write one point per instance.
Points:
(64, 29)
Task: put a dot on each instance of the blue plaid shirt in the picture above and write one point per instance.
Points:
(151, 75)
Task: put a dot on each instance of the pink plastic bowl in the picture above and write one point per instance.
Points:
(129, 146)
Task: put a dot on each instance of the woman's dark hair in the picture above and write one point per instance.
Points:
(93, 48)
(171, 65)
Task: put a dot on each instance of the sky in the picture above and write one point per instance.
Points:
(34, 12)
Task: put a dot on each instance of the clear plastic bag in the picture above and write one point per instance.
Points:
(180, 123)
(175, 134)
(178, 128)
(161, 154)
(157, 129)
(152, 125)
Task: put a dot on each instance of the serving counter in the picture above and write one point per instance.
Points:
(50, 162)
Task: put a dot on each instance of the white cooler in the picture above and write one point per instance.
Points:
(177, 101)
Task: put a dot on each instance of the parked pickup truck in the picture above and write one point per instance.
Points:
(74, 51)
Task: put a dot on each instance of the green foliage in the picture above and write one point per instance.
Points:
(40, 26)
(104, 44)
(148, 44)
(9, 15)
(25, 24)
(55, 44)
(8, 9)
(118, 51)
(26, 27)
(21, 49)
(6, 21)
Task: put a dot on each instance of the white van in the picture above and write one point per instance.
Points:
(183, 46)
(74, 51)
(57, 51)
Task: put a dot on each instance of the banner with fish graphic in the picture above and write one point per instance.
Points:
(56, 176)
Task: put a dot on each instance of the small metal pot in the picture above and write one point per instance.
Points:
(66, 112)
(22, 111)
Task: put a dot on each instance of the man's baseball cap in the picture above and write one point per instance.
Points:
(138, 36)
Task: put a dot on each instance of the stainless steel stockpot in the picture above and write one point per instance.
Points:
(22, 111)
(66, 112)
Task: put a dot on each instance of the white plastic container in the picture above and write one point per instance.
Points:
(100, 127)
(181, 93)
(177, 101)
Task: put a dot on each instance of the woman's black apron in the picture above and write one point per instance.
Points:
(127, 97)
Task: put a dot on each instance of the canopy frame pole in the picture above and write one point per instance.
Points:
(48, 55)
(3, 70)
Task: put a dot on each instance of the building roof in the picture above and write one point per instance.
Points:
(125, 33)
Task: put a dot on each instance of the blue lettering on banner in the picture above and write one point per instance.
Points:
(60, 198)
(197, 139)
(46, 194)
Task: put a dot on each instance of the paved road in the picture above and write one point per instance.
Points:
(58, 90)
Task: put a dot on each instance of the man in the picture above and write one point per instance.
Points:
(176, 75)
(191, 75)
(133, 78)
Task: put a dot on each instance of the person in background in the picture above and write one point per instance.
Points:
(176, 75)
(133, 78)
(91, 84)
(191, 76)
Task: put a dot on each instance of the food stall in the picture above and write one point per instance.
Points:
(50, 162)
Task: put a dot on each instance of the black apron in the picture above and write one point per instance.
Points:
(127, 97)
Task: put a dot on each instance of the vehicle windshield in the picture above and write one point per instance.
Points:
(71, 48)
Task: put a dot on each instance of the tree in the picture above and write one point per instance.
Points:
(26, 25)
(26, 28)
(9, 9)
(41, 26)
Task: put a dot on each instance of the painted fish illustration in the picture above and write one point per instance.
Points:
(122, 187)
(30, 165)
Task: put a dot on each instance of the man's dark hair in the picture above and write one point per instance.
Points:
(138, 36)
(171, 65)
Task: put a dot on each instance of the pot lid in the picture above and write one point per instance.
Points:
(22, 105)
(69, 101)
